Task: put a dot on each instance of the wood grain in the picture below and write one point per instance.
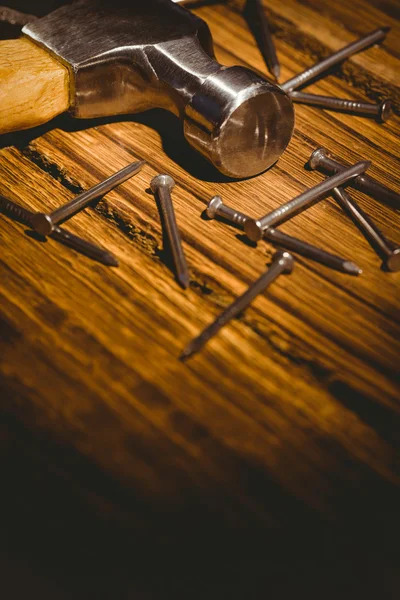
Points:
(34, 86)
(269, 462)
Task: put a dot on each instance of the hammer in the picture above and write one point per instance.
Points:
(96, 58)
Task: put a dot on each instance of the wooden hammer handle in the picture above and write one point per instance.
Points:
(34, 86)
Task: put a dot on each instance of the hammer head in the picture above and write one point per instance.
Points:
(239, 121)
(155, 53)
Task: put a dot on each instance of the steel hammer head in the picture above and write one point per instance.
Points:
(155, 53)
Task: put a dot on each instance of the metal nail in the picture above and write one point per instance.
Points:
(312, 252)
(15, 17)
(217, 207)
(24, 216)
(87, 248)
(255, 228)
(321, 67)
(382, 111)
(162, 186)
(15, 211)
(322, 160)
(282, 262)
(44, 223)
(265, 40)
(387, 250)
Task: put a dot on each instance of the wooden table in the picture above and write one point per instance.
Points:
(266, 466)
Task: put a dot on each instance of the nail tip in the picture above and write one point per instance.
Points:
(276, 72)
(184, 281)
(351, 268)
(111, 261)
(185, 354)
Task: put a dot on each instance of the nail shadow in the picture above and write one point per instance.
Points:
(243, 238)
(35, 236)
(239, 236)
(307, 167)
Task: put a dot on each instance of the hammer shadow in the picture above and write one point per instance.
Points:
(166, 124)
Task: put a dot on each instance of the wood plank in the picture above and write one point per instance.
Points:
(278, 444)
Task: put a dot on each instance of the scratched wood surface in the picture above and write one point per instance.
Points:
(268, 464)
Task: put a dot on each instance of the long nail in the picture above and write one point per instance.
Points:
(265, 40)
(217, 208)
(312, 252)
(255, 228)
(15, 17)
(322, 160)
(80, 245)
(282, 262)
(24, 216)
(162, 186)
(44, 223)
(321, 67)
(387, 250)
(381, 111)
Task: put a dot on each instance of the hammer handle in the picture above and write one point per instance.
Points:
(34, 86)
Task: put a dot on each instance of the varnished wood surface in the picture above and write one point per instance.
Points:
(267, 466)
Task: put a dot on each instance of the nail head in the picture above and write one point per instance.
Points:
(42, 223)
(285, 259)
(317, 157)
(253, 230)
(385, 110)
(213, 206)
(161, 181)
(393, 262)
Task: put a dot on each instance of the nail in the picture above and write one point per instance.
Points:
(322, 160)
(24, 216)
(382, 111)
(312, 252)
(44, 223)
(162, 186)
(387, 250)
(282, 262)
(80, 245)
(15, 17)
(321, 67)
(255, 228)
(15, 211)
(265, 40)
(217, 207)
